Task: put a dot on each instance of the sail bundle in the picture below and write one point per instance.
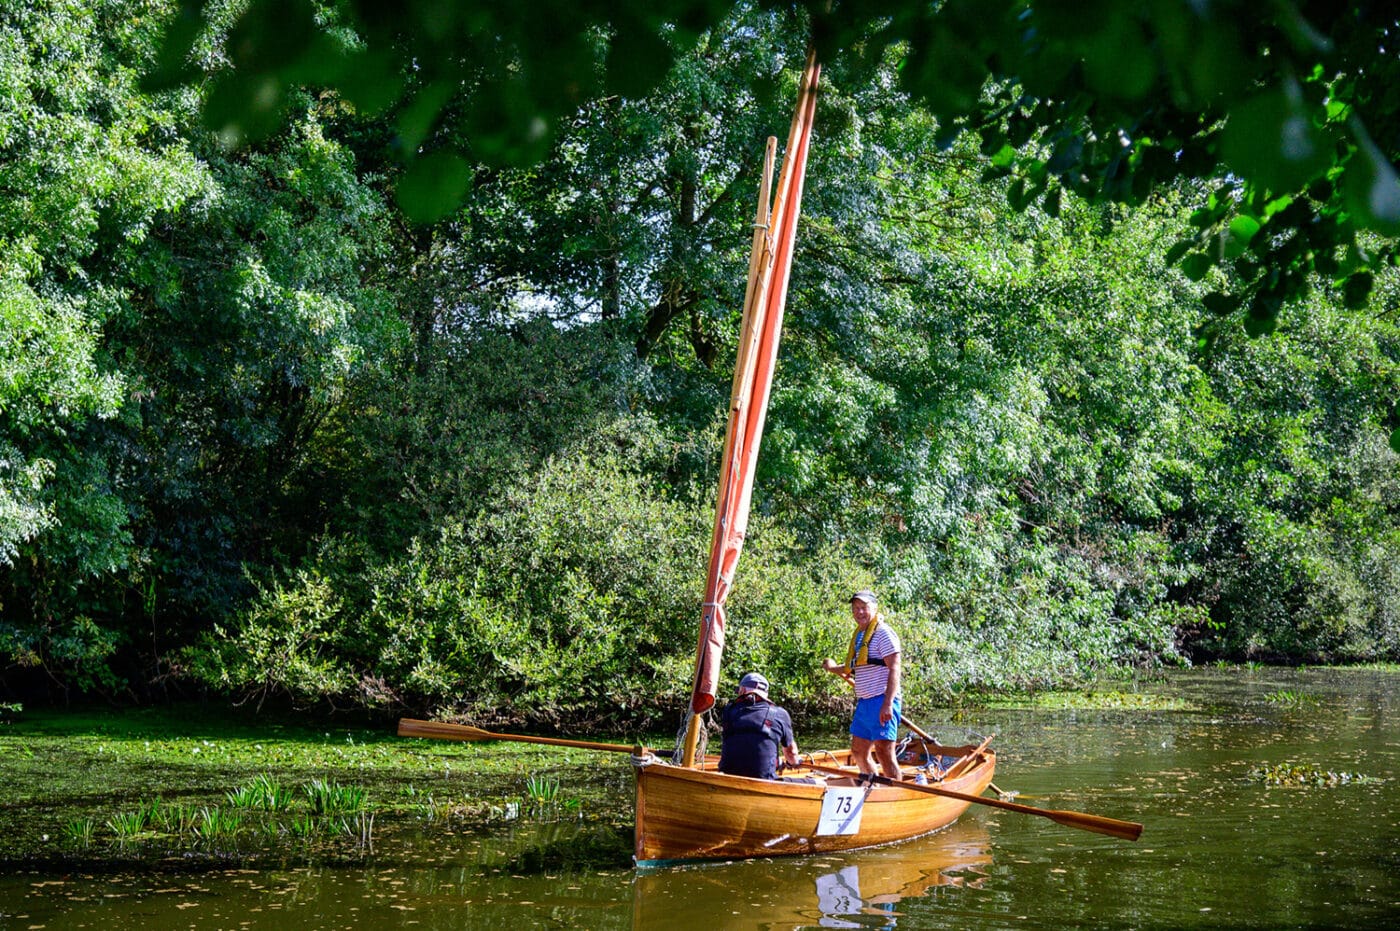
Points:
(770, 268)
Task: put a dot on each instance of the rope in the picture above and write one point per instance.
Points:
(701, 745)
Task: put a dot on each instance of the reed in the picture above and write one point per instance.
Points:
(542, 790)
(127, 824)
(213, 823)
(328, 797)
(81, 831)
(261, 793)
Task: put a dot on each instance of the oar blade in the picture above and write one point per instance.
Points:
(441, 730)
(1126, 830)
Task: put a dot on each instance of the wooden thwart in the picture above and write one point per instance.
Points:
(1127, 830)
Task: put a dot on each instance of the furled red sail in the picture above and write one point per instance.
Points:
(769, 271)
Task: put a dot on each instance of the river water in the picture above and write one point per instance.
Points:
(1221, 848)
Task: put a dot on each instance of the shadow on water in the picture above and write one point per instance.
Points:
(1222, 848)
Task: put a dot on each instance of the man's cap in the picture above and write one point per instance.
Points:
(754, 681)
(865, 595)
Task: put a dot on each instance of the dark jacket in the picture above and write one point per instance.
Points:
(755, 732)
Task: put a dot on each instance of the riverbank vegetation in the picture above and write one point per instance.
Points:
(263, 437)
(193, 785)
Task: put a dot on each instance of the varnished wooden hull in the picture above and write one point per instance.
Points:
(688, 814)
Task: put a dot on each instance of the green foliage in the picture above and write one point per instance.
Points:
(262, 793)
(1302, 466)
(261, 429)
(80, 831)
(127, 824)
(1291, 698)
(1288, 108)
(328, 797)
(1297, 775)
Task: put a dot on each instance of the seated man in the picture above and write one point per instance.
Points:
(755, 731)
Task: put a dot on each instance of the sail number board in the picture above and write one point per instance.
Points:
(841, 808)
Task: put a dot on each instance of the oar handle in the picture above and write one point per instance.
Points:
(441, 730)
(850, 680)
(1127, 830)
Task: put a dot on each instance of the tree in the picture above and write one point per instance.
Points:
(1289, 109)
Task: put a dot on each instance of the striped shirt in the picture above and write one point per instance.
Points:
(871, 680)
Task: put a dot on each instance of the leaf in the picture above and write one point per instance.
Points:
(241, 108)
(1243, 228)
(172, 65)
(1271, 140)
(1371, 187)
(1356, 290)
(371, 82)
(1220, 303)
(419, 117)
(433, 186)
(1017, 196)
(1204, 217)
(1395, 440)
(271, 34)
(1262, 319)
(1196, 265)
(638, 58)
(1178, 249)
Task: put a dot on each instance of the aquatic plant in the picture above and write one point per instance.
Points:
(1292, 698)
(1292, 774)
(304, 826)
(433, 809)
(127, 824)
(541, 790)
(81, 831)
(173, 819)
(328, 797)
(211, 823)
(263, 793)
(360, 828)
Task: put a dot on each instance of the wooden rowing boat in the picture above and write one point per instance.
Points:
(686, 814)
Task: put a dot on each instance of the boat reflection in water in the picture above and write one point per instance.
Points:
(857, 889)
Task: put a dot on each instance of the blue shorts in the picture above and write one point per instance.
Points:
(865, 723)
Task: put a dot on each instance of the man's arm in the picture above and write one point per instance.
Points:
(790, 748)
(891, 688)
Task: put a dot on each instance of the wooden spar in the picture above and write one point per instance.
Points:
(755, 293)
(1127, 830)
(957, 768)
(765, 296)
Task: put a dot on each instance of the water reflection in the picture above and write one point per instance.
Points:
(857, 889)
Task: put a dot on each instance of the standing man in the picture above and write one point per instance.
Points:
(755, 730)
(872, 665)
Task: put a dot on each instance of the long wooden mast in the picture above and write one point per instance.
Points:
(770, 268)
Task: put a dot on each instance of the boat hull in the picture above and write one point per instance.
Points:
(691, 814)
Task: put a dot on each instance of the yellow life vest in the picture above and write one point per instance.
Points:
(858, 653)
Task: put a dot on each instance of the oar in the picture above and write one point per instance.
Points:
(1127, 830)
(408, 727)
